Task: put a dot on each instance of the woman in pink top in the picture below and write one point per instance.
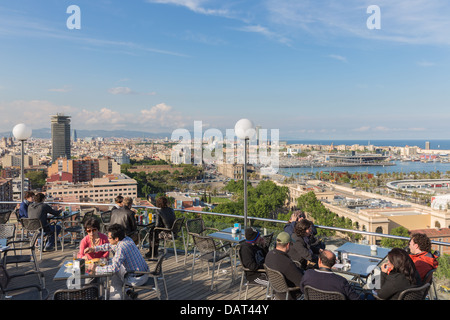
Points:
(94, 238)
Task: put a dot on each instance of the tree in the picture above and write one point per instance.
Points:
(396, 243)
(37, 178)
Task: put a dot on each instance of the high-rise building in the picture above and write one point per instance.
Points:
(60, 136)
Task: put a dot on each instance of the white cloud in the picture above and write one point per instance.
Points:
(63, 89)
(197, 6)
(265, 32)
(338, 57)
(126, 90)
(403, 21)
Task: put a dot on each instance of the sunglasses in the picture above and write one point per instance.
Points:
(91, 230)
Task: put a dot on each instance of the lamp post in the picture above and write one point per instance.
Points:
(22, 132)
(244, 130)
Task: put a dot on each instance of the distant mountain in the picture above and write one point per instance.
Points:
(45, 133)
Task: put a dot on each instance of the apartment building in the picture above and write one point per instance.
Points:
(101, 190)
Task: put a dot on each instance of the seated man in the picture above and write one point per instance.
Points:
(125, 217)
(39, 210)
(325, 279)
(253, 254)
(420, 253)
(23, 207)
(278, 259)
(127, 258)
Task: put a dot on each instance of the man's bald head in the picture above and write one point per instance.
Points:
(327, 259)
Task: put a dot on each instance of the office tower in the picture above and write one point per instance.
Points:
(427, 145)
(60, 136)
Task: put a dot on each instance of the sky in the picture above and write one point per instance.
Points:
(311, 69)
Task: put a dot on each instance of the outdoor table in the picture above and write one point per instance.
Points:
(234, 238)
(362, 261)
(65, 272)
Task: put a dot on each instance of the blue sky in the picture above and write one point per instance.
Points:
(312, 69)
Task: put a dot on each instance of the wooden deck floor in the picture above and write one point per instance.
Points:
(177, 275)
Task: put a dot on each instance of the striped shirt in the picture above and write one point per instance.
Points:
(126, 254)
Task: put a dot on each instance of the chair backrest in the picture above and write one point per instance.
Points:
(429, 276)
(4, 216)
(105, 216)
(90, 292)
(177, 225)
(416, 293)
(317, 294)
(268, 240)
(276, 279)
(31, 224)
(7, 230)
(195, 226)
(158, 268)
(204, 244)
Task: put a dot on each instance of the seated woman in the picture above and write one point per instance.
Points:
(397, 275)
(302, 250)
(94, 238)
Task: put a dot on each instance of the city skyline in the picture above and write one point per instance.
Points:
(313, 71)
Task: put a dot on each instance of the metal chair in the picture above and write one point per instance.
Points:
(278, 282)
(105, 218)
(26, 292)
(89, 292)
(247, 283)
(311, 293)
(416, 293)
(152, 282)
(210, 252)
(77, 226)
(7, 231)
(429, 279)
(34, 227)
(4, 216)
(171, 234)
(195, 226)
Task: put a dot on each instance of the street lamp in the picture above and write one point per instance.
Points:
(22, 132)
(245, 130)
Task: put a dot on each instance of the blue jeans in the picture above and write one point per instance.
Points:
(50, 234)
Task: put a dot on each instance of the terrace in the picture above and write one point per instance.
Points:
(178, 274)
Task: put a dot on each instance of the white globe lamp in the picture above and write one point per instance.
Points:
(22, 132)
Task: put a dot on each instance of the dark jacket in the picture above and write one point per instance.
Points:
(280, 261)
(302, 251)
(125, 217)
(39, 210)
(165, 217)
(325, 279)
(392, 285)
(252, 257)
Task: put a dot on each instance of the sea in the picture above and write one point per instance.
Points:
(400, 166)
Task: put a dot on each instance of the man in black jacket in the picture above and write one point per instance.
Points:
(125, 217)
(278, 259)
(253, 253)
(39, 210)
(325, 279)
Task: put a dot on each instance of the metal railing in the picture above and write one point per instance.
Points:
(372, 234)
